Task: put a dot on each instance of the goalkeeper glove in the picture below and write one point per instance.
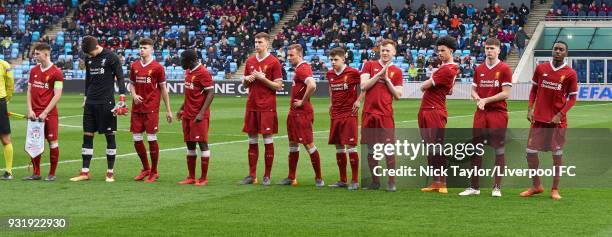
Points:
(120, 108)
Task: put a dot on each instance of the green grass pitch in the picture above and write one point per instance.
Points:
(129, 208)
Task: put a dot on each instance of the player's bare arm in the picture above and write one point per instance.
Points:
(474, 93)
(210, 94)
(311, 86)
(503, 95)
(164, 91)
(427, 84)
(137, 98)
(396, 91)
(329, 109)
(247, 80)
(57, 94)
(532, 97)
(357, 102)
(367, 82)
(179, 113)
(276, 85)
(31, 114)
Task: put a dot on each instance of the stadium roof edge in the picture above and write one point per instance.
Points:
(524, 70)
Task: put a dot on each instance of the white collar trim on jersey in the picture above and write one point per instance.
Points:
(381, 63)
(302, 62)
(557, 68)
(341, 71)
(147, 64)
(196, 67)
(453, 63)
(45, 69)
(264, 58)
(495, 64)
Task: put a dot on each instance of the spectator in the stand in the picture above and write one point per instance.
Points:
(412, 72)
(364, 55)
(350, 57)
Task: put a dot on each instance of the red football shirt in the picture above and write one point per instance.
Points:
(489, 82)
(197, 82)
(443, 80)
(554, 86)
(146, 79)
(344, 88)
(42, 82)
(378, 99)
(302, 71)
(262, 98)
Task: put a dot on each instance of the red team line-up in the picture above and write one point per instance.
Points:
(377, 85)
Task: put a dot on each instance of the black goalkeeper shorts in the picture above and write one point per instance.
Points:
(99, 118)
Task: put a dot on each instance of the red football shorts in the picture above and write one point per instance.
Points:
(546, 136)
(299, 128)
(432, 123)
(377, 128)
(490, 125)
(144, 122)
(343, 131)
(195, 131)
(51, 128)
(260, 122)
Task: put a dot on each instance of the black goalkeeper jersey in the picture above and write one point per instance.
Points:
(101, 72)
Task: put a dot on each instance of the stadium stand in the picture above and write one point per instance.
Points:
(322, 25)
(24, 22)
(220, 30)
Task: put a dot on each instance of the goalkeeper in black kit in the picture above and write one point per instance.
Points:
(99, 109)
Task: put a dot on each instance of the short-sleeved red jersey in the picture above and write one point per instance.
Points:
(197, 81)
(262, 98)
(378, 99)
(554, 86)
(443, 80)
(345, 87)
(42, 82)
(489, 81)
(146, 79)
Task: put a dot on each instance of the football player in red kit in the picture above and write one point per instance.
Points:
(553, 94)
(263, 77)
(490, 89)
(382, 82)
(147, 85)
(301, 117)
(432, 113)
(195, 114)
(44, 91)
(345, 96)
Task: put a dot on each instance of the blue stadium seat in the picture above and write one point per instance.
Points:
(35, 36)
(276, 17)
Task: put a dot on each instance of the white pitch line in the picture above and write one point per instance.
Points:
(70, 116)
(517, 111)
(241, 141)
